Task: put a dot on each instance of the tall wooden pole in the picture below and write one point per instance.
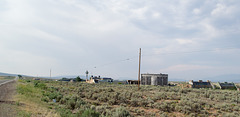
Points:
(50, 73)
(139, 66)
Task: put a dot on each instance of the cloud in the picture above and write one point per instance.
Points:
(184, 41)
(179, 68)
(74, 35)
(196, 11)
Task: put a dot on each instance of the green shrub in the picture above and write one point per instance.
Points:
(90, 113)
(71, 104)
(24, 89)
(53, 95)
(112, 102)
(65, 112)
(24, 114)
(121, 112)
(134, 102)
(28, 80)
(79, 103)
(39, 85)
(45, 99)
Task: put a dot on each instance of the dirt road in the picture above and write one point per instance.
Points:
(7, 104)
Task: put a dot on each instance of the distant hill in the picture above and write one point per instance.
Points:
(225, 78)
(7, 74)
(68, 76)
(176, 79)
(220, 78)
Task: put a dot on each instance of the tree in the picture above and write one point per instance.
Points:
(78, 79)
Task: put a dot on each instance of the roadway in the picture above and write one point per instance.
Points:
(7, 91)
(4, 81)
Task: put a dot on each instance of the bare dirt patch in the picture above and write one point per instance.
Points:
(7, 105)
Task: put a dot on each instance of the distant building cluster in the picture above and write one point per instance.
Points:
(156, 80)
(208, 84)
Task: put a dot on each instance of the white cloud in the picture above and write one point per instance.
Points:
(189, 68)
(139, 13)
(77, 34)
(223, 10)
(196, 11)
(184, 41)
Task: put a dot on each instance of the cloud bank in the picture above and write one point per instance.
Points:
(187, 39)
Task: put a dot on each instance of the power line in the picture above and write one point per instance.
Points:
(162, 54)
(114, 62)
(189, 52)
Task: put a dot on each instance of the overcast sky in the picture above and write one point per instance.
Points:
(188, 39)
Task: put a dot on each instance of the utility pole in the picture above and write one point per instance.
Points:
(139, 66)
(50, 74)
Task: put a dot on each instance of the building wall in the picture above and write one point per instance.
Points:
(226, 85)
(148, 80)
(200, 84)
(154, 79)
(132, 81)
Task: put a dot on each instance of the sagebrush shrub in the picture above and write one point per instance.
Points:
(121, 112)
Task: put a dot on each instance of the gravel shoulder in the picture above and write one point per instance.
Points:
(7, 105)
(2, 81)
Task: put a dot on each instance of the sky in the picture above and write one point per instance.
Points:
(187, 39)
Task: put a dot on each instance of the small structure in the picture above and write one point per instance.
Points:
(109, 80)
(64, 79)
(200, 84)
(91, 81)
(68, 79)
(99, 80)
(132, 81)
(154, 79)
(120, 82)
(226, 85)
(36, 78)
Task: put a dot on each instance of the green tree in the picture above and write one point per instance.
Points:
(78, 79)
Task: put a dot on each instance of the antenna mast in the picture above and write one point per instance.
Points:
(50, 73)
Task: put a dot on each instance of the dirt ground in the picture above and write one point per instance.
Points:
(7, 105)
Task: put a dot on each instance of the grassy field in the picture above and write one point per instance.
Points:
(66, 99)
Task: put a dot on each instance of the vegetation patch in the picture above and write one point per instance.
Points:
(78, 99)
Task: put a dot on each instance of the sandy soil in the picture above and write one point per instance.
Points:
(7, 91)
